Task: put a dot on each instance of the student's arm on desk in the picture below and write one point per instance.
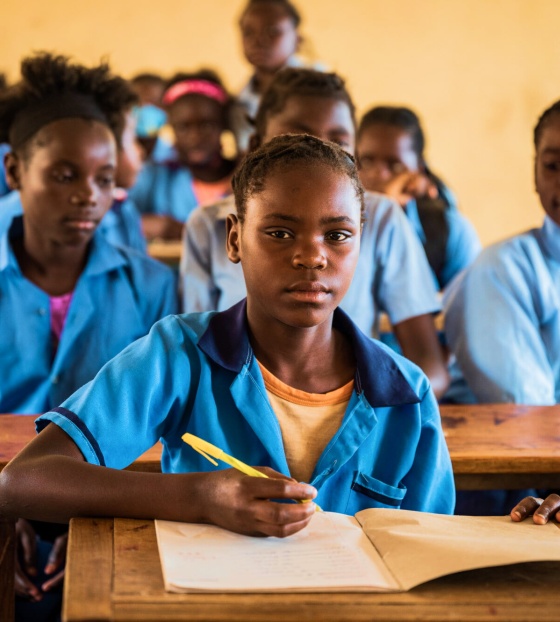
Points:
(49, 480)
(161, 226)
(541, 510)
(419, 343)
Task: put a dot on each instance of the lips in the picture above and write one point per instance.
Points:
(81, 224)
(309, 291)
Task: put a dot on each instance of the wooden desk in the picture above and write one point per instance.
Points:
(113, 573)
(168, 252)
(503, 445)
(491, 446)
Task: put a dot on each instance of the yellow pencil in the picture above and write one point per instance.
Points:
(210, 452)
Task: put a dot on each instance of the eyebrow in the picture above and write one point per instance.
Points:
(308, 130)
(329, 220)
(554, 150)
(74, 165)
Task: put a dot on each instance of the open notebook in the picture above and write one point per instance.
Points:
(377, 550)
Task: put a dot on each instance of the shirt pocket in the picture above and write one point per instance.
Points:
(368, 492)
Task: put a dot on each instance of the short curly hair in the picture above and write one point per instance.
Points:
(45, 75)
(544, 120)
(283, 152)
(287, 6)
(293, 82)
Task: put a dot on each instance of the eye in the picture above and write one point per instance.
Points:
(553, 166)
(338, 236)
(106, 181)
(63, 177)
(279, 235)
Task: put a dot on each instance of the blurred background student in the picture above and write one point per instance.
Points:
(197, 107)
(271, 39)
(390, 149)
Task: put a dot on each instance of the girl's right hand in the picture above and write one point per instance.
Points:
(407, 186)
(244, 504)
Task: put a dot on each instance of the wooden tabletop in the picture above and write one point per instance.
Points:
(113, 573)
(491, 445)
(167, 251)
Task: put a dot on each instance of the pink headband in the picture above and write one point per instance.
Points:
(194, 87)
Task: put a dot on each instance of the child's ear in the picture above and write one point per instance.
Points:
(232, 238)
(12, 167)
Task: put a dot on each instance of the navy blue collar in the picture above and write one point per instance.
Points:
(226, 342)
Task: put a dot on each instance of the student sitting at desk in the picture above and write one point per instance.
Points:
(69, 299)
(502, 317)
(283, 380)
(197, 106)
(393, 275)
(390, 149)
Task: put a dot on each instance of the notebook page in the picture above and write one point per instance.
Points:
(418, 546)
(332, 553)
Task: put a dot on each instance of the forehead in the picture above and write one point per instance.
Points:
(387, 138)
(315, 112)
(194, 107)
(264, 15)
(550, 135)
(75, 139)
(307, 189)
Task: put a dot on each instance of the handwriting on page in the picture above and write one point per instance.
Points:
(203, 557)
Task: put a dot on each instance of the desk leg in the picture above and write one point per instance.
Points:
(7, 569)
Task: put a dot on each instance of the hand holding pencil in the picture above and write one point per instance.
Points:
(244, 504)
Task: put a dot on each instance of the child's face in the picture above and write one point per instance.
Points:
(129, 159)
(547, 169)
(269, 37)
(148, 92)
(298, 245)
(197, 123)
(66, 183)
(384, 152)
(323, 117)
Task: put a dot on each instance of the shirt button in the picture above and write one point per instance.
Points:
(42, 311)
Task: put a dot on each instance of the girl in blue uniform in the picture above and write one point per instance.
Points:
(197, 106)
(69, 299)
(242, 378)
(390, 148)
(393, 275)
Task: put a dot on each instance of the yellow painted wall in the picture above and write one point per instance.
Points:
(479, 72)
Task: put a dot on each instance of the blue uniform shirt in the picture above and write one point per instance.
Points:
(502, 322)
(165, 188)
(463, 245)
(197, 373)
(392, 275)
(117, 298)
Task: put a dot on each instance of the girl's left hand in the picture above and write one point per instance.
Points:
(57, 558)
(541, 511)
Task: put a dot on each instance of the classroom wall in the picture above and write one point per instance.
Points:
(479, 72)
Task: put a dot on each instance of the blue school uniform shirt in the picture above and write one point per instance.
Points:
(4, 188)
(197, 373)
(165, 188)
(392, 275)
(502, 322)
(117, 298)
(121, 225)
(463, 244)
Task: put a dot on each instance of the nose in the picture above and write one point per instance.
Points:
(310, 255)
(85, 195)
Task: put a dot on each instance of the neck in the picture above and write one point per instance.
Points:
(54, 268)
(317, 359)
(262, 79)
(214, 170)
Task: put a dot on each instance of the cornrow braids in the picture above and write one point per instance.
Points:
(48, 78)
(544, 120)
(287, 6)
(286, 151)
(291, 82)
(400, 117)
